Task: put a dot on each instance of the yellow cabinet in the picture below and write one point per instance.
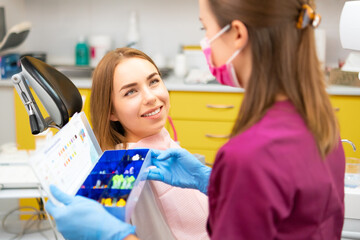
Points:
(204, 120)
(203, 134)
(24, 138)
(205, 105)
(348, 113)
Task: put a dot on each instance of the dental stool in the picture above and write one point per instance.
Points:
(57, 93)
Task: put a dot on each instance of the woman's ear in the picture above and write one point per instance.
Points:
(113, 117)
(241, 34)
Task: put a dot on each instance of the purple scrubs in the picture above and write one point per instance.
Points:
(271, 183)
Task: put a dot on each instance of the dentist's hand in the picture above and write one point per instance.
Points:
(84, 218)
(179, 168)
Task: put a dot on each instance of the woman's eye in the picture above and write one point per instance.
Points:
(130, 92)
(154, 81)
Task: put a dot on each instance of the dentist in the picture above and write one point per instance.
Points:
(281, 174)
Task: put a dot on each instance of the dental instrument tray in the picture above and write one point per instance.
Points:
(116, 180)
(73, 161)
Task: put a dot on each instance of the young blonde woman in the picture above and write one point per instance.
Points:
(129, 107)
(281, 175)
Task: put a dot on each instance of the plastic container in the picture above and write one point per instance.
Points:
(99, 46)
(352, 173)
(82, 53)
(180, 67)
(103, 185)
(9, 65)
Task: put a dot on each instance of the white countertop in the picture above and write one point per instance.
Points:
(175, 84)
(352, 200)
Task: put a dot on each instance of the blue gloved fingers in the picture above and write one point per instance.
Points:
(51, 208)
(176, 154)
(179, 168)
(60, 195)
(171, 152)
(155, 161)
(85, 218)
(131, 230)
(155, 174)
(155, 152)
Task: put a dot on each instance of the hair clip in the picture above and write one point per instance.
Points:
(308, 16)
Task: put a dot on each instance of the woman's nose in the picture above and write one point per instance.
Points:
(149, 97)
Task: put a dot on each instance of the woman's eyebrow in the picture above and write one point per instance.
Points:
(128, 86)
(134, 84)
(151, 75)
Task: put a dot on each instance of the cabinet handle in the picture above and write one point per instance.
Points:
(337, 109)
(220, 106)
(217, 136)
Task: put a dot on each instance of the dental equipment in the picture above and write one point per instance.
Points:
(56, 92)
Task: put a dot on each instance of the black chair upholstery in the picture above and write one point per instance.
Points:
(59, 90)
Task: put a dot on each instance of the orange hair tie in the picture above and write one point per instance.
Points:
(308, 16)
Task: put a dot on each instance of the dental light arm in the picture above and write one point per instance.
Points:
(56, 92)
(350, 25)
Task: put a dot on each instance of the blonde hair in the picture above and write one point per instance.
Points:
(285, 62)
(109, 133)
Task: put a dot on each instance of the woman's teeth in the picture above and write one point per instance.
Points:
(152, 113)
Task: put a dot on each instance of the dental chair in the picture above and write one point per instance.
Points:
(57, 93)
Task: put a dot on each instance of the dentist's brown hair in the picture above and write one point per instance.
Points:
(109, 133)
(285, 62)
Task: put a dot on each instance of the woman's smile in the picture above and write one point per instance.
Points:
(152, 113)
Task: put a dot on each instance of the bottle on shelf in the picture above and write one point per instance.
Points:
(180, 66)
(133, 36)
(81, 52)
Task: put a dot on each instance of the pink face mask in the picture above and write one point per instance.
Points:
(224, 74)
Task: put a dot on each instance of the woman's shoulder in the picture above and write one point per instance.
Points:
(280, 128)
(247, 147)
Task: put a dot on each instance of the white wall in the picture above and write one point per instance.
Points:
(164, 24)
(7, 120)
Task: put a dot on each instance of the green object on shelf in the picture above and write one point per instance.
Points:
(82, 53)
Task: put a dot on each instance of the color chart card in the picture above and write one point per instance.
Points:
(68, 158)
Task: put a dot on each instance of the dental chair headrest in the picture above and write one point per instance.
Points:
(57, 93)
(60, 89)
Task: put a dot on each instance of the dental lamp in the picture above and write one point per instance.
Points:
(15, 36)
(56, 92)
(350, 28)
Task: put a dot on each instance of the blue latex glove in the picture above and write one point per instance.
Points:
(84, 218)
(179, 168)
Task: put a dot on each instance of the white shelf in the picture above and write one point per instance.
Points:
(20, 193)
